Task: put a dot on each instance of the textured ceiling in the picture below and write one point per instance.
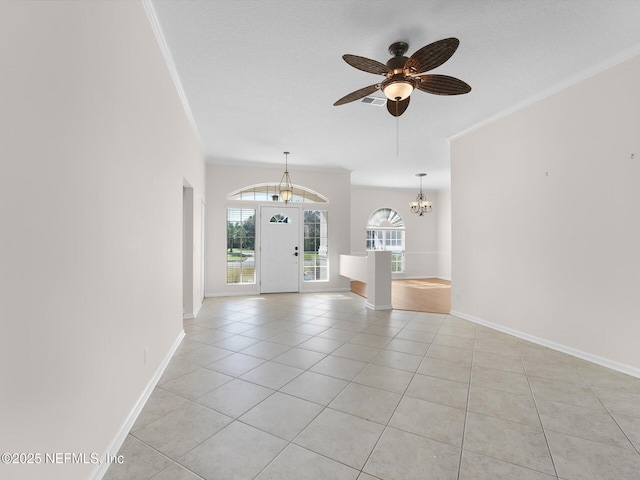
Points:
(261, 77)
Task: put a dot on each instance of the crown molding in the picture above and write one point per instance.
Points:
(157, 30)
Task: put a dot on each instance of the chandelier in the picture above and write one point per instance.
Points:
(285, 187)
(421, 205)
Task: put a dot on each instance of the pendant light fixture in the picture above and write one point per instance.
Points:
(286, 188)
(421, 205)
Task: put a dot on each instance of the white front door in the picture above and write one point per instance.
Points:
(279, 249)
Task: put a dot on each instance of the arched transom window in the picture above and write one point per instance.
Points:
(269, 192)
(385, 231)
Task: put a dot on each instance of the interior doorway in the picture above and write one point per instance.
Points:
(280, 249)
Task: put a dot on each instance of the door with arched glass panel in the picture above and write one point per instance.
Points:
(279, 249)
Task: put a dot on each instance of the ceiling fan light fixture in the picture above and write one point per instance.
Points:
(397, 89)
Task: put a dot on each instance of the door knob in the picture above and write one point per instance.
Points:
(296, 254)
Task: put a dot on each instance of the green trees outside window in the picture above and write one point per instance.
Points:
(241, 241)
(316, 246)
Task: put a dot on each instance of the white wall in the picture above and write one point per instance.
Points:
(224, 179)
(423, 252)
(94, 149)
(444, 233)
(545, 219)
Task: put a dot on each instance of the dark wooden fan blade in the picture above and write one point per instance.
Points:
(396, 108)
(432, 55)
(442, 85)
(366, 64)
(363, 92)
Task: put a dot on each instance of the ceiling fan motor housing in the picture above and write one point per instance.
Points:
(397, 62)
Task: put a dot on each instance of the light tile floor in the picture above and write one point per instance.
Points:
(315, 386)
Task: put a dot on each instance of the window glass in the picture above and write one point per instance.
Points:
(241, 239)
(385, 217)
(385, 231)
(316, 246)
(279, 218)
(271, 192)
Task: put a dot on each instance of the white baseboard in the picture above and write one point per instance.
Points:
(194, 314)
(232, 294)
(379, 307)
(605, 362)
(327, 290)
(251, 294)
(116, 443)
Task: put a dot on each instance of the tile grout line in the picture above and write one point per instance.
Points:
(466, 410)
(166, 456)
(544, 431)
(175, 462)
(633, 445)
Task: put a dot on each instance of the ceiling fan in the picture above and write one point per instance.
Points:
(403, 74)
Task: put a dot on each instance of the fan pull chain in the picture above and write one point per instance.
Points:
(397, 137)
(397, 131)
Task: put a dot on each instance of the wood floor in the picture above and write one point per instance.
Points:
(421, 295)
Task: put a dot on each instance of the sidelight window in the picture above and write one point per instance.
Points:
(316, 246)
(241, 240)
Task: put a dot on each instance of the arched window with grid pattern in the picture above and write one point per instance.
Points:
(385, 231)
